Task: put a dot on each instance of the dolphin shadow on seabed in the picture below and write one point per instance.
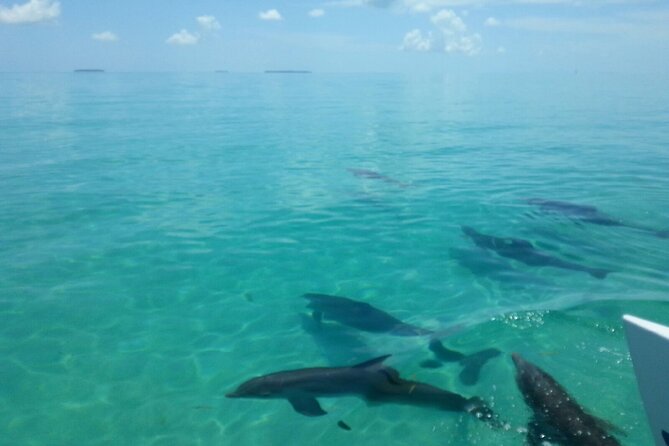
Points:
(557, 417)
(337, 343)
(525, 252)
(484, 264)
(371, 381)
(364, 317)
(589, 214)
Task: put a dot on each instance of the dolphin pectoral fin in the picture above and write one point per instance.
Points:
(473, 364)
(306, 405)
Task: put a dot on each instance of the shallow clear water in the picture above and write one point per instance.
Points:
(158, 230)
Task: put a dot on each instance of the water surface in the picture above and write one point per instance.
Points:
(158, 231)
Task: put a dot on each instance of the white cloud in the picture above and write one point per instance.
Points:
(31, 12)
(450, 37)
(407, 5)
(469, 45)
(449, 22)
(208, 22)
(183, 37)
(415, 41)
(501, 50)
(270, 14)
(431, 5)
(317, 13)
(491, 21)
(105, 36)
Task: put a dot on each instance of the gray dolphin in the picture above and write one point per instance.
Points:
(371, 381)
(360, 315)
(588, 214)
(524, 251)
(557, 415)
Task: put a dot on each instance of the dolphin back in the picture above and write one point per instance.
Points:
(555, 410)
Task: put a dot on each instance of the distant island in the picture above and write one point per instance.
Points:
(221, 71)
(89, 70)
(287, 72)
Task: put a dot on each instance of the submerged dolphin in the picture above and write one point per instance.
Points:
(524, 251)
(588, 214)
(371, 381)
(360, 315)
(373, 175)
(557, 415)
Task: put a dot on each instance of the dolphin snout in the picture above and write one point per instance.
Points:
(517, 359)
(468, 230)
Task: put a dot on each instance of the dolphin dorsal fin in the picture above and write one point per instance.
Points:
(372, 362)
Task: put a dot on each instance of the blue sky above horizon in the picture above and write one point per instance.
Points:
(336, 36)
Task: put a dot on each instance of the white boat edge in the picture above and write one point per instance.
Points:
(649, 347)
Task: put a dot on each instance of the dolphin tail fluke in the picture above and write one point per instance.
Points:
(473, 364)
(306, 405)
(662, 234)
(444, 354)
(598, 273)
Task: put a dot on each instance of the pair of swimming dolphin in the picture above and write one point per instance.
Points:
(371, 380)
(525, 252)
(589, 214)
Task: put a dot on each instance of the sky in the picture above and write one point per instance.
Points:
(629, 36)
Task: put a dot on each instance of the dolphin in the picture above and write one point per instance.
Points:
(360, 315)
(373, 175)
(588, 214)
(525, 252)
(371, 381)
(556, 415)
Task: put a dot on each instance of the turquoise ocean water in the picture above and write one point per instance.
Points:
(158, 230)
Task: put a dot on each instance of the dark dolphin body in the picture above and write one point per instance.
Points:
(360, 315)
(370, 381)
(588, 214)
(525, 252)
(372, 175)
(557, 416)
